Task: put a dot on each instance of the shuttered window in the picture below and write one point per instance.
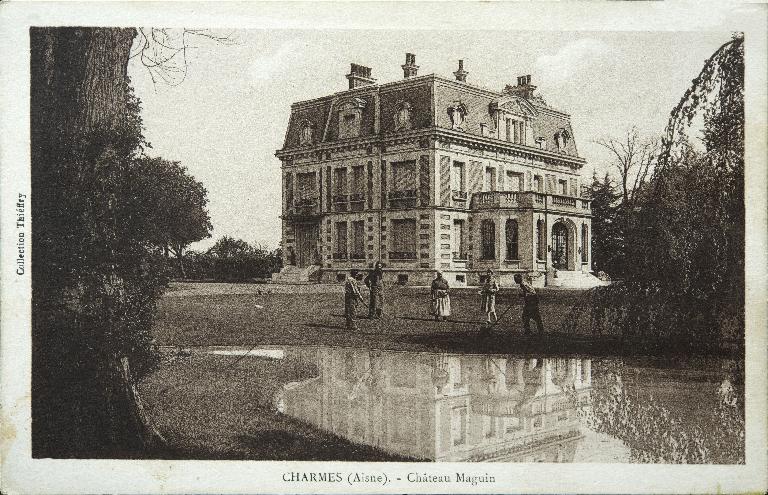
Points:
(341, 240)
(340, 181)
(358, 179)
(488, 237)
(404, 237)
(514, 182)
(511, 234)
(306, 185)
(404, 176)
(358, 240)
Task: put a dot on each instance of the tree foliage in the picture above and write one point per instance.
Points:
(233, 260)
(172, 204)
(608, 252)
(96, 272)
(685, 234)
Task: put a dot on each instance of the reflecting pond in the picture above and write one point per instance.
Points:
(463, 407)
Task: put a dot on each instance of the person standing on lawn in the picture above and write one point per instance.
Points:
(375, 282)
(488, 293)
(441, 300)
(530, 306)
(351, 297)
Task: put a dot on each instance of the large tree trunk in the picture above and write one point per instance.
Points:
(82, 402)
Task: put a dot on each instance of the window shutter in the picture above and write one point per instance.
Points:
(445, 180)
(551, 186)
(475, 177)
(529, 180)
(573, 187)
(424, 180)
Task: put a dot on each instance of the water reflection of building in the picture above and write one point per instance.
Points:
(446, 407)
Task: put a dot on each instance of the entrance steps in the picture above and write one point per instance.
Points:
(575, 279)
(292, 274)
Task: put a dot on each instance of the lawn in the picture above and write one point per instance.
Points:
(194, 315)
(218, 407)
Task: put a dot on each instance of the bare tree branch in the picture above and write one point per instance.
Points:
(633, 159)
(164, 52)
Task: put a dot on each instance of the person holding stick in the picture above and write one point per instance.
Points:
(375, 282)
(530, 306)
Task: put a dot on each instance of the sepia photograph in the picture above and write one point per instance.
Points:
(404, 246)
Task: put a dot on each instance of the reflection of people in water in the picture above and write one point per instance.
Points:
(441, 300)
(530, 305)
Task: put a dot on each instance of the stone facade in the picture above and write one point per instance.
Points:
(429, 173)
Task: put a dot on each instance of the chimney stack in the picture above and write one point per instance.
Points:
(359, 75)
(461, 74)
(523, 89)
(410, 69)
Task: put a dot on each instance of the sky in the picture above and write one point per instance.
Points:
(227, 118)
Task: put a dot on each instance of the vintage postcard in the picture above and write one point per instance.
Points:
(397, 247)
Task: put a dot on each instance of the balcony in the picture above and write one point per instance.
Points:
(340, 202)
(339, 256)
(356, 202)
(495, 199)
(459, 195)
(402, 256)
(405, 198)
(562, 201)
(305, 207)
(514, 199)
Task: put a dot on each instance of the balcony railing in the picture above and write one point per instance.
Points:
(339, 256)
(405, 198)
(357, 256)
(340, 202)
(303, 207)
(356, 202)
(402, 194)
(495, 199)
(402, 255)
(459, 195)
(304, 202)
(457, 256)
(565, 201)
(527, 199)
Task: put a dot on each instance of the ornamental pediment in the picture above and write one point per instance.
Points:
(514, 105)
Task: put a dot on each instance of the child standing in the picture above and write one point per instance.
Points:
(488, 293)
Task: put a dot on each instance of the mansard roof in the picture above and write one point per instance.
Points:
(428, 98)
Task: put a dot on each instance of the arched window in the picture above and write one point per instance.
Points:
(511, 230)
(584, 243)
(541, 243)
(488, 236)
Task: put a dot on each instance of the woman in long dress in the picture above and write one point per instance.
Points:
(441, 300)
(488, 293)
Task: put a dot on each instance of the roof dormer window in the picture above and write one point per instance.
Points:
(306, 133)
(403, 116)
(457, 112)
(561, 139)
(350, 118)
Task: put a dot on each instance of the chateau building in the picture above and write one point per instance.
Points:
(429, 173)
